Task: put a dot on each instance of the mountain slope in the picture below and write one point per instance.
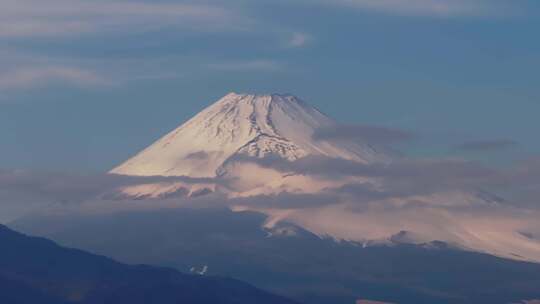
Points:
(245, 147)
(16, 292)
(35, 270)
(242, 124)
(294, 262)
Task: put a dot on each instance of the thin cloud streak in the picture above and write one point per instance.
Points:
(250, 65)
(430, 8)
(408, 178)
(71, 187)
(30, 18)
(487, 145)
(29, 77)
(298, 40)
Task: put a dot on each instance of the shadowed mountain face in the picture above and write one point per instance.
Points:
(36, 270)
(18, 292)
(291, 261)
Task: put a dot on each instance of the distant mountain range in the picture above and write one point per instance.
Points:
(293, 262)
(37, 271)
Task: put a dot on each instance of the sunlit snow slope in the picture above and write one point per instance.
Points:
(242, 124)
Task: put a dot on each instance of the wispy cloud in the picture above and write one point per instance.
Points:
(423, 198)
(436, 8)
(487, 145)
(24, 191)
(29, 77)
(249, 65)
(71, 187)
(31, 18)
(365, 133)
(298, 39)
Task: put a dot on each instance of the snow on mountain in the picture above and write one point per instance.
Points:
(243, 124)
(282, 127)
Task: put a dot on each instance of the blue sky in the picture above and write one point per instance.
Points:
(85, 84)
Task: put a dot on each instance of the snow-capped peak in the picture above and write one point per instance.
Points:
(243, 124)
(282, 126)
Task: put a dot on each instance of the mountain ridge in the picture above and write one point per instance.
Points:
(40, 271)
(243, 145)
(248, 124)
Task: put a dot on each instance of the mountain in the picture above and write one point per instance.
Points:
(243, 124)
(228, 203)
(294, 262)
(36, 270)
(244, 146)
(235, 204)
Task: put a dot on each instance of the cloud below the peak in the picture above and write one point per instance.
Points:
(360, 202)
(363, 133)
(405, 178)
(48, 187)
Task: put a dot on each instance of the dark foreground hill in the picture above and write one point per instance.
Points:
(293, 262)
(36, 270)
